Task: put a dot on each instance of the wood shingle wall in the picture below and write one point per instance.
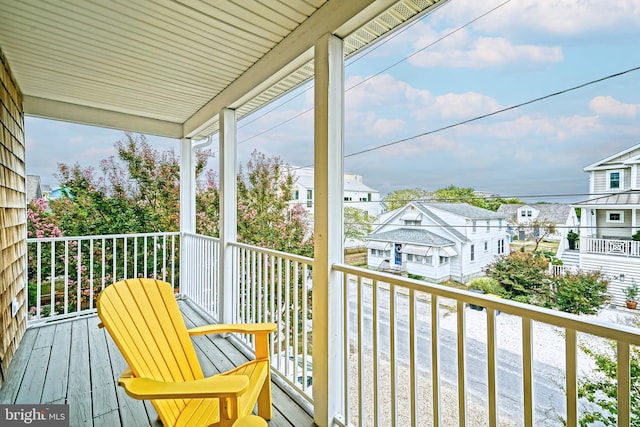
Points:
(13, 218)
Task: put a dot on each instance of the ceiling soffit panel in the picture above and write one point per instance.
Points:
(167, 63)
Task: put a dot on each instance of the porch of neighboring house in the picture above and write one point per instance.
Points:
(76, 363)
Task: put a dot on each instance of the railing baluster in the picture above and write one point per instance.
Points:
(462, 365)
(624, 383)
(346, 359)
(361, 391)
(52, 301)
(491, 367)
(572, 381)
(39, 279)
(66, 277)
(527, 371)
(435, 359)
(79, 276)
(392, 354)
(413, 372)
(91, 273)
(376, 358)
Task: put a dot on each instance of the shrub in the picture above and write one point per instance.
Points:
(522, 274)
(580, 293)
(487, 284)
(600, 389)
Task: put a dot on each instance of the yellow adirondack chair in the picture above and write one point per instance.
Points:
(143, 318)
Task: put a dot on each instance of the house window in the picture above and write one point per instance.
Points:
(363, 199)
(410, 257)
(412, 222)
(488, 226)
(473, 226)
(499, 224)
(529, 214)
(523, 213)
(486, 246)
(309, 198)
(428, 259)
(418, 258)
(368, 197)
(347, 199)
(295, 195)
(615, 216)
(501, 246)
(387, 253)
(473, 253)
(614, 180)
(444, 260)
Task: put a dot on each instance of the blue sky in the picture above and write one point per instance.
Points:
(524, 49)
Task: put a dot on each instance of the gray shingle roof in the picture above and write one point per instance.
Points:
(556, 213)
(464, 209)
(411, 235)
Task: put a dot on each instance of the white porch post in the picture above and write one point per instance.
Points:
(187, 207)
(328, 182)
(228, 213)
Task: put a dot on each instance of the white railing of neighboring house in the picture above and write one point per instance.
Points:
(629, 248)
(559, 270)
(65, 274)
(406, 340)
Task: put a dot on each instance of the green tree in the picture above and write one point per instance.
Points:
(357, 223)
(523, 276)
(399, 198)
(265, 216)
(453, 194)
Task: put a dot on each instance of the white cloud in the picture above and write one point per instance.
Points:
(484, 52)
(560, 17)
(610, 106)
(458, 106)
(384, 127)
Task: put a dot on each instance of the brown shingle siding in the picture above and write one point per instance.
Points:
(13, 220)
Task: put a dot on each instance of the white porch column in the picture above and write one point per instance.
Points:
(228, 213)
(187, 187)
(328, 182)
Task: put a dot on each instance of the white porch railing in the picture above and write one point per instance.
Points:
(407, 340)
(629, 248)
(66, 274)
(413, 351)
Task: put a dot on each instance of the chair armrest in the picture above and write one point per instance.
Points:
(217, 386)
(247, 328)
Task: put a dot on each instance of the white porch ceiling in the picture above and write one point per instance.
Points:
(167, 67)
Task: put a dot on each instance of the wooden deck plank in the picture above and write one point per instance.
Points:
(79, 394)
(225, 356)
(86, 365)
(33, 380)
(132, 412)
(57, 378)
(13, 377)
(103, 387)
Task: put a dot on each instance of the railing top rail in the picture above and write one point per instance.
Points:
(201, 236)
(285, 255)
(527, 311)
(101, 236)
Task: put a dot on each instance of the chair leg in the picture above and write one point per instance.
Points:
(265, 409)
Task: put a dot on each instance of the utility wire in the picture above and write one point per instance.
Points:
(364, 80)
(493, 113)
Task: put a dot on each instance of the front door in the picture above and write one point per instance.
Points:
(398, 255)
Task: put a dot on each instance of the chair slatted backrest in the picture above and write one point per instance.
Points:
(143, 318)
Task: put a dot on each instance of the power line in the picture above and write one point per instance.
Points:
(493, 113)
(368, 78)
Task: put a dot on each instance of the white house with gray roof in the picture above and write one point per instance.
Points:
(438, 241)
(526, 220)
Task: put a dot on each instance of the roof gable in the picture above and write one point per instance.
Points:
(629, 156)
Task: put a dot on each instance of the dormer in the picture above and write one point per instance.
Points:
(618, 172)
(411, 216)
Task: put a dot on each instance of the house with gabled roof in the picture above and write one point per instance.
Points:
(531, 219)
(609, 219)
(438, 241)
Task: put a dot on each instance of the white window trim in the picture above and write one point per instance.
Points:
(608, 183)
(615, 221)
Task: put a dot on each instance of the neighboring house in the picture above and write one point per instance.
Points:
(608, 220)
(526, 220)
(356, 194)
(438, 241)
(34, 188)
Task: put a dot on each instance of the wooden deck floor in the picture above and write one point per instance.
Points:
(77, 363)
